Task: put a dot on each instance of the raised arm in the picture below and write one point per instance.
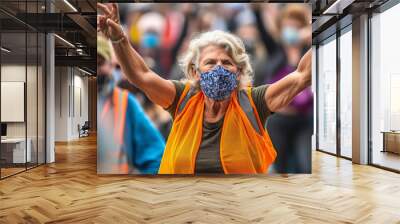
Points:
(272, 46)
(281, 93)
(160, 91)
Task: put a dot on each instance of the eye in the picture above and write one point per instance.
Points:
(227, 62)
(210, 62)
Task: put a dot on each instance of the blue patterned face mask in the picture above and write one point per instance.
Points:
(218, 83)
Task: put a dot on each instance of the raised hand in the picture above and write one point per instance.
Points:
(109, 23)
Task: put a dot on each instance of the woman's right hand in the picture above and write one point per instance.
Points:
(160, 91)
(109, 23)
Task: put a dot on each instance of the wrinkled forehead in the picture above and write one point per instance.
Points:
(214, 52)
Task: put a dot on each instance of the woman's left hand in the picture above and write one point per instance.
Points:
(282, 92)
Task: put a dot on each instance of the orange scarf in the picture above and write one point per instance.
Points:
(242, 149)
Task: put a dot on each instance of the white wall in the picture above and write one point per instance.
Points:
(12, 73)
(70, 83)
(80, 94)
(61, 103)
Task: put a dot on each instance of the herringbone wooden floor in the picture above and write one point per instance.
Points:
(70, 191)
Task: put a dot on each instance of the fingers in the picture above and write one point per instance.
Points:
(101, 22)
(115, 26)
(115, 10)
(104, 9)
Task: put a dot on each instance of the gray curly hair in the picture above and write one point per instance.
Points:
(233, 46)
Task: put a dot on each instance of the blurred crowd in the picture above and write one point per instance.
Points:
(275, 36)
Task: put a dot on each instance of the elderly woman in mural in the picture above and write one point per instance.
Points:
(218, 116)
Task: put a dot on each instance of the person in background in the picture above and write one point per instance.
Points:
(128, 142)
(291, 127)
(155, 35)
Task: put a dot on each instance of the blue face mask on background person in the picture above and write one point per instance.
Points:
(105, 84)
(117, 75)
(218, 83)
(290, 36)
(150, 40)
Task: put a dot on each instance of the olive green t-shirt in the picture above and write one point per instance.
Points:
(208, 157)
